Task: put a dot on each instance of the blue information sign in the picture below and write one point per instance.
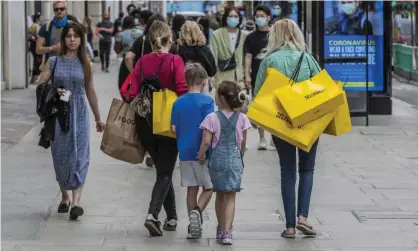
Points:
(345, 37)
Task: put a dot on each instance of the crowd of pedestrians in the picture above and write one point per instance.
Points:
(196, 63)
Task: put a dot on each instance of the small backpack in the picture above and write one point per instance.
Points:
(143, 102)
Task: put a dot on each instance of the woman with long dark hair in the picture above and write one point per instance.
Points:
(71, 71)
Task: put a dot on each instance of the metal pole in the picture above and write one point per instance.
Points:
(367, 65)
(26, 48)
(412, 41)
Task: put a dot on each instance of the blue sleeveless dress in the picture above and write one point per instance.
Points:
(71, 150)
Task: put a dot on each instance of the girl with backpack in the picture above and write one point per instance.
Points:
(153, 72)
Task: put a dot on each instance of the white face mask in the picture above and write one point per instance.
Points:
(348, 8)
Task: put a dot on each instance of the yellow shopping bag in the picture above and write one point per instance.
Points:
(162, 104)
(341, 123)
(310, 99)
(267, 112)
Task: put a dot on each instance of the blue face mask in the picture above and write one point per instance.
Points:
(261, 22)
(277, 11)
(232, 22)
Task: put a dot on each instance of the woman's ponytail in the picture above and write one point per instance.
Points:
(160, 35)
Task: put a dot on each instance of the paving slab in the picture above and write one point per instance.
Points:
(364, 196)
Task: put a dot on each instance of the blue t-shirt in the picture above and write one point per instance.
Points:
(188, 113)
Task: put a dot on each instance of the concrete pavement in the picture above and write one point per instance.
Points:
(365, 195)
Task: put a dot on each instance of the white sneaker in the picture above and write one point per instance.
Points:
(195, 224)
(262, 145)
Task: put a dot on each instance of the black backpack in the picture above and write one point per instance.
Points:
(142, 103)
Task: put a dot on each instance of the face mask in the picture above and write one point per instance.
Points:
(348, 8)
(232, 22)
(106, 18)
(277, 12)
(261, 22)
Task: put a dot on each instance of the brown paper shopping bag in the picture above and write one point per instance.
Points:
(120, 139)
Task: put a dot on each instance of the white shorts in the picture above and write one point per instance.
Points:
(193, 174)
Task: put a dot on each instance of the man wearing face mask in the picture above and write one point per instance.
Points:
(254, 44)
(350, 17)
(277, 11)
(104, 31)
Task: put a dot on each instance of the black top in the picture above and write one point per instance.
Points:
(116, 25)
(199, 54)
(107, 36)
(255, 42)
(137, 48)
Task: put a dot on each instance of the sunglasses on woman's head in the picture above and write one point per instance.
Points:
(59, 9)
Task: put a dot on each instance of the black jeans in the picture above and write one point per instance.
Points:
(163, 151)
(104, 48)
(37, 59)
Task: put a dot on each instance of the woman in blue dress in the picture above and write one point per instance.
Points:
(71, 71)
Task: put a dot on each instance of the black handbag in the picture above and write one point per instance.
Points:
(231, 63)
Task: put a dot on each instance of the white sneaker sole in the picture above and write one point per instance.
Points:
(195, 224)
(226, 242)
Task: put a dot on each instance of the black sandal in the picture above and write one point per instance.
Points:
(287, 235)
(306, 230)
(75, 212)
(63, 208)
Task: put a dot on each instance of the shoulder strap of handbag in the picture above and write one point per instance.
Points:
(174, 73)
(295, 74)
(143, 43)
(237, 42)
(52, 77)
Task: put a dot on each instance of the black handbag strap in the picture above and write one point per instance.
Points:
(52, 77)
(295, 74)
(237, 42)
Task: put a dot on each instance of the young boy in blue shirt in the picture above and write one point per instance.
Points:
(188, 113)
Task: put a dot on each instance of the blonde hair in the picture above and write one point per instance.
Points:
(195, 74)
(56, 2)
(160, 35)
(191, 34)
(284, 32)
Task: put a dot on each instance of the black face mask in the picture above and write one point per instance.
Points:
(106, 18)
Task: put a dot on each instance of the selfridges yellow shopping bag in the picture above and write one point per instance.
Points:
(310, 99)
(341, 123)
(162, 104)
(267, 112)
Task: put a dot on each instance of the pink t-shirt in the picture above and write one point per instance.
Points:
(213, 124)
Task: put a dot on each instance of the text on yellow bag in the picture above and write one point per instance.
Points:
(162, 104)
(267, 112)
(310, 99)
(341, 123)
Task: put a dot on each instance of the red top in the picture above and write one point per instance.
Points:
(150, 63)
